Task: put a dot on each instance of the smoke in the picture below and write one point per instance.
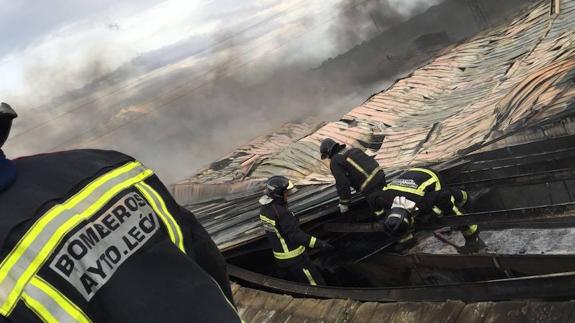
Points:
(179, 107)
(360, 20)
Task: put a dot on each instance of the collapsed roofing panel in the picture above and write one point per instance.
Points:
(508, 78)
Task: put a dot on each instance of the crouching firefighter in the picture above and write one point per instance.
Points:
(94, 236)
(288, 241)
(419, 194)
(351, 167)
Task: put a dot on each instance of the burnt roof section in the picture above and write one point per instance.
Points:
(510, 77)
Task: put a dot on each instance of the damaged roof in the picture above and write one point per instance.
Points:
(505, 79)
(259, 306)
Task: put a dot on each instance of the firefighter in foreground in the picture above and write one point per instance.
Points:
(420, 195)
(92, 235)
(351, 167)
(288, 241)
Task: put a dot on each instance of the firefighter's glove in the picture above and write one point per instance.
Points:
(343, 208)
(404, 203)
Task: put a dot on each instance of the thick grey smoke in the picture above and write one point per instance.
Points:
(177, 120)
(361, 20)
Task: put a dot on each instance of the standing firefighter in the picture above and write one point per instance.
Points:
(288, 241)
(94, 236)
(351, 167)
(419, 192)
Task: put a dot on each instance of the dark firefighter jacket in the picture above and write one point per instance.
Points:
(424, 187)
(92, 235)
(353, 168)
(288, 241)
(417, 184)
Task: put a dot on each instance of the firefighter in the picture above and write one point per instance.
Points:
(94, 236)
(288, 241)
(351, 167)
(420, 193)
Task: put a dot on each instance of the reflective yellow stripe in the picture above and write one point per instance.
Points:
(367, 180)
(455, 209)
(44, 236)
(267, 220)
(470, 230)
(174, 230)
(309, 277)
(437, 210)
(368, 177)
(464, 199)
(430, 173)
(38, 308)
(312, 242)
(356, 166)
(289, 254)
(49, 304)
(404, 189)
(427, 183)
(281, 239)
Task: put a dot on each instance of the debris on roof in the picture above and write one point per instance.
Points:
(505, 79)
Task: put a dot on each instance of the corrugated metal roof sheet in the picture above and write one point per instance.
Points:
(509, 77)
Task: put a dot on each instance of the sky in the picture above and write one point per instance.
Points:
(52, 51)
(62, 37)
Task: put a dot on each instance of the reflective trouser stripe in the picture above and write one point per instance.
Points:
(289, 254)
(309, 277)
(49, 304)
(454, 207)
(38, 243)
(312, 242)
(437, 210)
(159, 206)
(471, 228)
(464, 198)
